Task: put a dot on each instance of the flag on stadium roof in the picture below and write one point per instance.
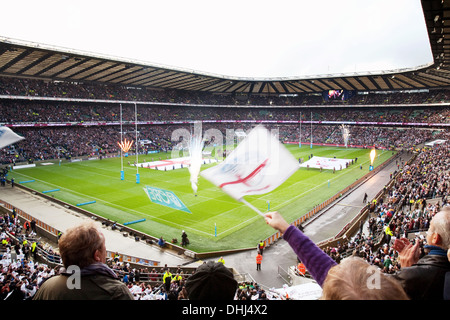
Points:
(258, 165)
(7, 137)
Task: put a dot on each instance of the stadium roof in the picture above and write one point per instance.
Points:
(32, 60)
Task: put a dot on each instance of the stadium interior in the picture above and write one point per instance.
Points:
(72, 105)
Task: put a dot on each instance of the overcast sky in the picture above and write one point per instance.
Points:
(238, 38)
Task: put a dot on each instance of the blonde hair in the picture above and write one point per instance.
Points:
(355, 279)
(77, 245)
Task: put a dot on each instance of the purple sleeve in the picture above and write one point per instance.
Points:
(315, 260)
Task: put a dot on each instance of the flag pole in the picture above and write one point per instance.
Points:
(252, 207)
(300, 133)
(122, 175)
(311, 131)
(138, 178)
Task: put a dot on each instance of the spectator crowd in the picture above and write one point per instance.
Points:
(419, 189)
(79, 90)
(58, 129)
(418, 192)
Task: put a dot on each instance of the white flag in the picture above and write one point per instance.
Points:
(7, 137)
(258, 165)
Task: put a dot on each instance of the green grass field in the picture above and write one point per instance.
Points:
(237, 225)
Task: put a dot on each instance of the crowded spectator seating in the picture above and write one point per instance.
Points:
(87, 90)
(23, 270)
(60, 119)
(416, 192)
(423, 180)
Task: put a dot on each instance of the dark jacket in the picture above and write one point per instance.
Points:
(98, 283)
(447, 286)
(425, 279)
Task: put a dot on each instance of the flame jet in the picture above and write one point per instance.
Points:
(373, 154)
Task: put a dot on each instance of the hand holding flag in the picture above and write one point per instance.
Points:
(258, 165)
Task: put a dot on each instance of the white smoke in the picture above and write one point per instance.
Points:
(195, 153)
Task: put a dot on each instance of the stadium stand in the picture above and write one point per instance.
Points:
(69, 118)
(391, 211)
(370, 125)
(394, 210)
